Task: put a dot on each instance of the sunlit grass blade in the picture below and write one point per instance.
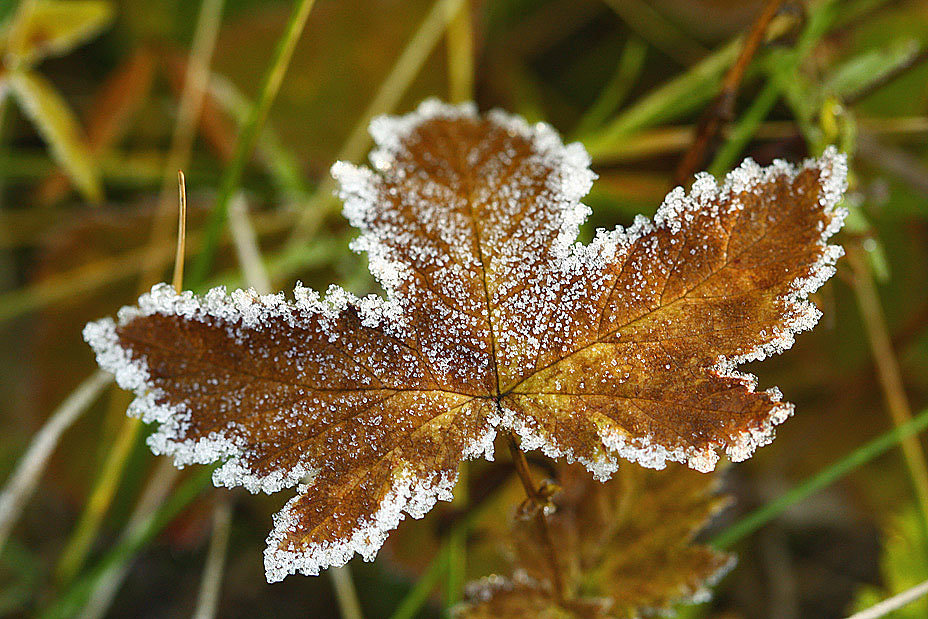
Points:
(211, 584)
(889, 371)
(871, 66)
(824, 478)
(254, 271)
(58, 126)
(461, 55)
(894, 603)
(281, 163)
(345, 592)
(53, 27)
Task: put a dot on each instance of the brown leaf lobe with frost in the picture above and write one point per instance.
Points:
(493, 318)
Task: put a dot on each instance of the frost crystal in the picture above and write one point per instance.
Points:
(494, 318)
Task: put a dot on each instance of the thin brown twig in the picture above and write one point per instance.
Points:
(722, 108)
(886, 78)
(894, 160)
(534, 495)
(211, 585)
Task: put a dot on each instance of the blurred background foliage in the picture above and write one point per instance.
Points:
(91, 102)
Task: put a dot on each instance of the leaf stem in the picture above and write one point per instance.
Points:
(178, 278)
(531, 490)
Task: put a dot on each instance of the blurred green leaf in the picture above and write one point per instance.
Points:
(60, 129)
(904, 564)
(7, 8)
(858, 72)
(25, 568)
(53, 27)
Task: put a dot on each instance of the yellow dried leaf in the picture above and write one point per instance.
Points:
(59, 127)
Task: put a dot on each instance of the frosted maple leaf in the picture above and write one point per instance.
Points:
(494, 319)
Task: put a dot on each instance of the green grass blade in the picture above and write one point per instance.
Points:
(678, 96)
(860, 456)
(419, 594)
(629, 68)
(858, 72)
(247, 139)
(79, 592)
(743, 131)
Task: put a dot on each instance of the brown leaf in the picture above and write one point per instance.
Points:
(502, 598)
(628, 540)
(493, 319)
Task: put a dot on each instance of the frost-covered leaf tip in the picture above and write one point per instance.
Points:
(493, 319)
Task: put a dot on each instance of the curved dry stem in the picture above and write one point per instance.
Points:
(211, 585)
(22, 483)
(345, 592)
(894, 603)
